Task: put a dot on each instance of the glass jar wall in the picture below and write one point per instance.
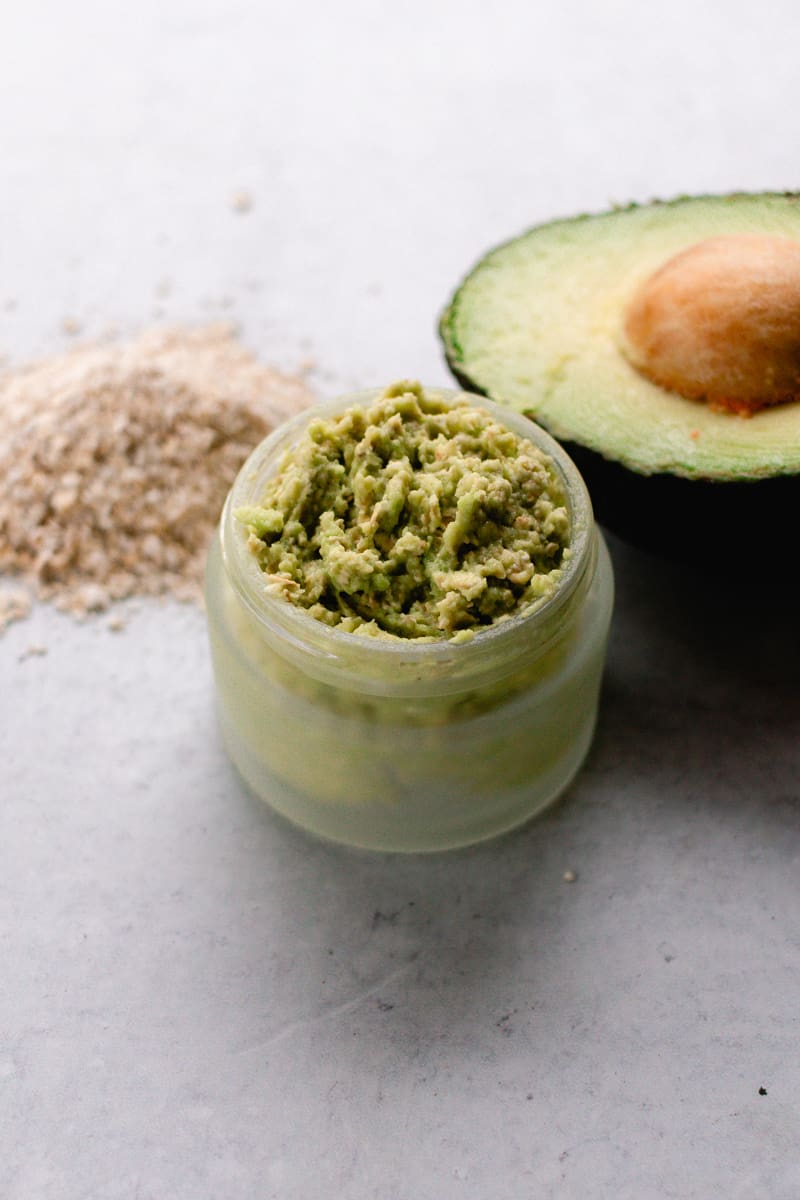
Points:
(392, 744)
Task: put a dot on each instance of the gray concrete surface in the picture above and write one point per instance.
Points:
(197, 1001)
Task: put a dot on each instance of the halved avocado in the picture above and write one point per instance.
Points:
(540, 324)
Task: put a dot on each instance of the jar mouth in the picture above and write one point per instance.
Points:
(537, 624)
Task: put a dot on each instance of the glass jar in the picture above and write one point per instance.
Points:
(392, 744)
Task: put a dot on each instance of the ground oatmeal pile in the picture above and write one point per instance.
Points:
(115, 462)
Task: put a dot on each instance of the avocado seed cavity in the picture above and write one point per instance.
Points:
(720, 322)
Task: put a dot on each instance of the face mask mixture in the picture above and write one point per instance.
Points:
(413, 517)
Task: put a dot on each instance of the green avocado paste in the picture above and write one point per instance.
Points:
(412, 516)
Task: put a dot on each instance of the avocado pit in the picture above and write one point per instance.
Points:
(720, 322)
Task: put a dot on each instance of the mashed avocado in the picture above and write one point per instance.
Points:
(414, 517)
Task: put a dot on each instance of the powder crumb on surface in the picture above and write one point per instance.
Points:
(15, 605)
(241, 202)
(569, 876)
(117, 459)
(117, 624)
(71, 326)
(33, 651)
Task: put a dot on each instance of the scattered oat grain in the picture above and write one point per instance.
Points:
(33, 651)
(241, 202)
(569, 876)
(15, 605)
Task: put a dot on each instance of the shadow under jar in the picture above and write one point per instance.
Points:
(401, 745)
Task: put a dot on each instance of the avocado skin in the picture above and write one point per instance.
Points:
(722, 525)
(725, 526)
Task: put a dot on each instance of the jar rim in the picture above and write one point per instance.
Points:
(275, 614)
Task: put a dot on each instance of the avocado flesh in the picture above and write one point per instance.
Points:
(537, 325)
